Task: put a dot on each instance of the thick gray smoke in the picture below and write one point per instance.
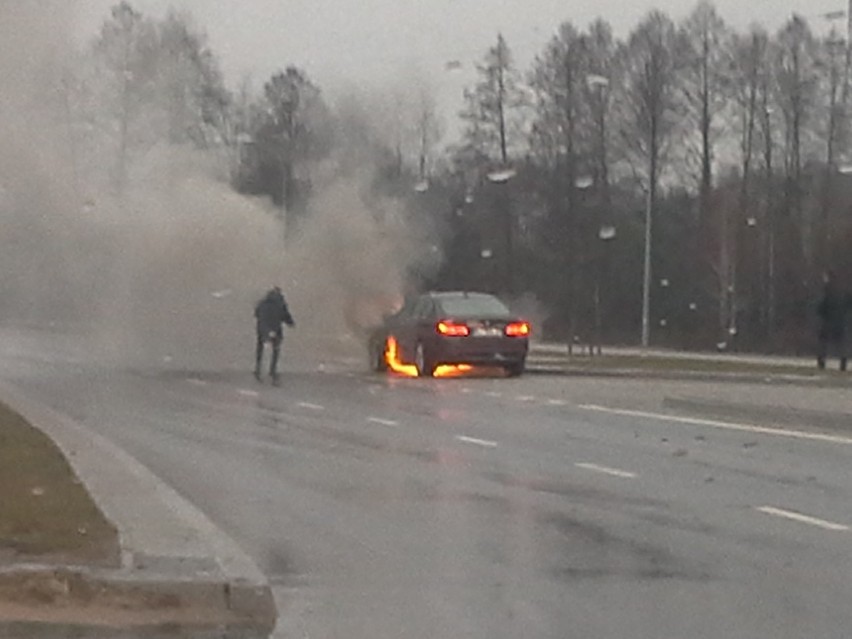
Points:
(168, 272)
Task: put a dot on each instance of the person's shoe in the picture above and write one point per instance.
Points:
(257, 375)
(276, 379)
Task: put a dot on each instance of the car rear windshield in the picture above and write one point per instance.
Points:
(473, 306)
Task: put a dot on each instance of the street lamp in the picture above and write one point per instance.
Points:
(501, 177)
(646, 276)
(606, 234)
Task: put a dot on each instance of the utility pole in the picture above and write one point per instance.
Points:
(646, 278)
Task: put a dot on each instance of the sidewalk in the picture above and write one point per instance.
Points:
(636, 363)
(545, 349)
(172, 554)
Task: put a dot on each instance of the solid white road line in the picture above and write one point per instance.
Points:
(248, 393)
(746, 428)
(477, 442)
(615, 472)
(804, 519)
(383, 422)
(310, 406)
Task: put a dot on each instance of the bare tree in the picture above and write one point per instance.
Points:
(558, 79)
(603, 72)
(491, 106)
(650, 100)
(749, 71)
(797, 82)
(831, 63)
(193, 93)
(429, 130)
(704, 83)
(492, 117)
(293, 128)
(126, 53)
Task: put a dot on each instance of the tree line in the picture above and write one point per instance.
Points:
(688, 170)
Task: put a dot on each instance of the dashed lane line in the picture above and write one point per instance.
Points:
(606, 470)
(310, 406)
(197, 382)
(248, 393)
(525, 398)
(476, 442)
(556, 402)
(746, 428)
(383, 422)
(801, 518)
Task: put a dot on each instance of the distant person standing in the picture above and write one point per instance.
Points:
(271, 313)
(832, 311)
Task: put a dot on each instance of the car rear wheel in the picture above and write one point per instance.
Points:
(424, 364)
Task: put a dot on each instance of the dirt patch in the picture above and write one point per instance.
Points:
(47, 514)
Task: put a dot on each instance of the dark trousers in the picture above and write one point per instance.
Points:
(829, 343)
(274, 339)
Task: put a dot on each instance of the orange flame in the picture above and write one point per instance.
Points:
(453, 370)
(392, 358)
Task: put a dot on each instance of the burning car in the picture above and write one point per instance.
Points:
(436, 331)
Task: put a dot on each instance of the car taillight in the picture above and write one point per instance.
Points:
(518, 329)
(451, 329)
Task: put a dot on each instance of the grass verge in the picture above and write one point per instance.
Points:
(674, 364)
(46, 515)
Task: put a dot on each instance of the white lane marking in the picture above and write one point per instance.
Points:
(310, 406)
(383, 422)
(606, 470)
(525, 398)
(804, 519)
(466, 390)
(197, 382)
(746, 428)
(557, 402)
(478, 442)
(248, 393)
(493, 394)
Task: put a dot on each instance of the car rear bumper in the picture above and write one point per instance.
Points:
(489, 351)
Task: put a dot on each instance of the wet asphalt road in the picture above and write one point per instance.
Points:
(486, 508)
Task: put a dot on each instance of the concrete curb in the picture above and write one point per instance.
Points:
(168, 545)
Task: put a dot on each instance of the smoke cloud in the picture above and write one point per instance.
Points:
(168, 272)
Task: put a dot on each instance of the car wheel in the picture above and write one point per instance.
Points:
(376, 355)
(424, 364)
(515, 370)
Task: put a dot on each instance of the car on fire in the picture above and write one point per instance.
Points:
(438, 329)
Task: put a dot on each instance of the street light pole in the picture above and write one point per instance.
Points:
(646, 278)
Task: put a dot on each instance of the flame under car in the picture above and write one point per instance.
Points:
(448, 334)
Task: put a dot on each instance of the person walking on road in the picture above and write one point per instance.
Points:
(832, 311)
(271, 313)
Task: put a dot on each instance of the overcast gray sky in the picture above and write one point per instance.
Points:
(372, 41)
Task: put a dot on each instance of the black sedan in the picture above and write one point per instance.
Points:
(440, 329)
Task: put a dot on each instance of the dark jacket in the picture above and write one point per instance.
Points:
(271, 312)
(832, 311)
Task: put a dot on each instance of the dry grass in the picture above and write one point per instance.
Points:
(46, 515)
